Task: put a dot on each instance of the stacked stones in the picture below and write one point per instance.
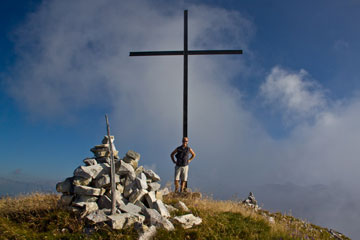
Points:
(138, 193)
(251, 202)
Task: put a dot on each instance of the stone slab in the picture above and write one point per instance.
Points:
(132, 155)
(92, 171)
(65, 186)
(90, 191)
(130, 208)
(150, 174)
(137, 195)
(188, 220)
(123, 168)
(87, 207)
(97, 216)
(153, 217)
(141, 181)
(81, 181)
(154, 186)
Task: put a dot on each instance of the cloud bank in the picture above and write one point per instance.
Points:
(73, 58)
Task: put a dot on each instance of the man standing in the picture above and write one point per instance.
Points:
(182, 163)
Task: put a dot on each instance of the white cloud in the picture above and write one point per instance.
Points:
(73, 56)
(293, 93)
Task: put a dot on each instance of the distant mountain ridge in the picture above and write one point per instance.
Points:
(11, 187)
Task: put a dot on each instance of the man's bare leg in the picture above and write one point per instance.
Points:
(183, 186)
(177, 185)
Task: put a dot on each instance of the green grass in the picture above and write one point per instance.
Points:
(38, 216)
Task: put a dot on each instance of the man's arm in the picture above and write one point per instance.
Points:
(172, 155)
(192, 155)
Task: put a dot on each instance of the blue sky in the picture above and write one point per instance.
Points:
(286, 111)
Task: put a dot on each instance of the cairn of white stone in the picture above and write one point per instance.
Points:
(138, 193)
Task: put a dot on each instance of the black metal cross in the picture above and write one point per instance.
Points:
(185, 52)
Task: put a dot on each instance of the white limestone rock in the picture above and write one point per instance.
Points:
(150, 174)
(117, 221)
(92, 171)
(104, 202)
(65, 186)
(160, 207)
(85, 198)
(182, 206)
(98, 216)
(139, 170)
(130, 208)
(153, 217)
(105, 181)
(148, 234)
(123, 168)
(141, 205)
(150, 199)
(65, 200)
(90, 161)
(119, 188)
(170, 208)
(131, 219)
(81, 181)
(132, 155)
(141, 181)
(154, 186)
(87, 207)
(188, 220)
(137, 195)
(103, 160)
(90, 191)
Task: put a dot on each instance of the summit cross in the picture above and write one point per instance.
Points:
(185, 53)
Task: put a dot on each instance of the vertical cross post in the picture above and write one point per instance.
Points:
(185, 113)
(186, 52)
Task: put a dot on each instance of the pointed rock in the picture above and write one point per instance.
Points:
(141, 181)
(150, 199)
(154, 186)
(160, 207)
(182, 206)
(123, 168)
(151, 175)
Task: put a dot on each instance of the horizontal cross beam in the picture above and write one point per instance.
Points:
(191, 52)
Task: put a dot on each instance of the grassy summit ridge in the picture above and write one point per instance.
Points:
(38, 216)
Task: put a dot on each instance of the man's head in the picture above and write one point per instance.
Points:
(185, 141)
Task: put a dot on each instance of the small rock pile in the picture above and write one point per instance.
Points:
(138, 194)
(251, 202)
